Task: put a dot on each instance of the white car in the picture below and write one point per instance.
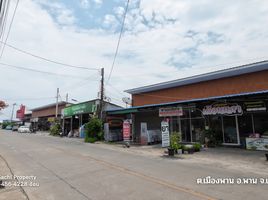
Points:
(24, 129)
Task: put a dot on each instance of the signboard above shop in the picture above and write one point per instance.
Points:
(82, 108)
(170, 112)
(222, 109)
(255, 106)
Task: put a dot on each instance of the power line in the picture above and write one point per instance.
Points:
(49, 60)
(9, 28)
(118, 43)
(4, 15)
(39, 71)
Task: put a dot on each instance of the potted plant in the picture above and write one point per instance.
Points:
(189, 148)
(174, 144)
(197, 147)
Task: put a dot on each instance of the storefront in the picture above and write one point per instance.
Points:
(42, 117)
(75, 116)
(231, 104)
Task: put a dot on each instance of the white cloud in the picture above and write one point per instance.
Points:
(85, 4)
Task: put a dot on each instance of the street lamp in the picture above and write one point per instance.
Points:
(13, 105)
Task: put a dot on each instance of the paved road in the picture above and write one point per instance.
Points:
(69, 169)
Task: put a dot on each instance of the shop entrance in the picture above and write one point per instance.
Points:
(230, 130)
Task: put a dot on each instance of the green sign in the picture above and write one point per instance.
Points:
(81, 108)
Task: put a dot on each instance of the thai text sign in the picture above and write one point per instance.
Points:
(126, 131)
(255, 106)
(79, 109)
(21, 112)
(165, 134)
(222, 110)
(169, 112)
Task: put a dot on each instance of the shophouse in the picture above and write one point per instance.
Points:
(232, 103)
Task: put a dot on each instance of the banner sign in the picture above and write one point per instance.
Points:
(126, 131)
(257, 144)
(81, 108)
(165, 134)
(169, 112)
(224, 109)
(21, 112)
(255, 106)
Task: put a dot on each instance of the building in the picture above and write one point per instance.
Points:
(232, 103)
(74, 116)
(44, 116)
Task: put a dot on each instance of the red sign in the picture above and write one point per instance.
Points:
(126, 131)
(20, 112)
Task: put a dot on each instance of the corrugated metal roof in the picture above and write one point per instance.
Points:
(193, 100)
(239, 70)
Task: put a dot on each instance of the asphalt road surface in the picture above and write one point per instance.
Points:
(69, 169)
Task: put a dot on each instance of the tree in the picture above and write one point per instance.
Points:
(2, 105)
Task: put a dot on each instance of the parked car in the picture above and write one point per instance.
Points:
(8, 127)
(15, 128)
(24, 129)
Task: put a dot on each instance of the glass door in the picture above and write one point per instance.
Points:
(230, 130)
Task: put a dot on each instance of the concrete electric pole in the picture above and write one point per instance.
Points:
(12, 113)
(101, 94)
(57, 103)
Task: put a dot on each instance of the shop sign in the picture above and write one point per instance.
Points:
(51, 119)
(21, 112)
(255, 106)
(126, 131)
(34, 119)
(165, 134)
(169, 112)
(80, 109)
(222, 110)
(257, 144)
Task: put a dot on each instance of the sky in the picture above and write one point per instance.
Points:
(161, 41)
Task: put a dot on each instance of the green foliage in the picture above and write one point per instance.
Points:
(93, 130)
(5, 124)
(55, 129)
(90, 140)
(175, 140)
(197, 146)
(211, 136)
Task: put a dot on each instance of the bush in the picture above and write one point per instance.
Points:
(197, 146)
(5, 124)
(55, 129)
(93, 130)
(90, 140)
(175, 140)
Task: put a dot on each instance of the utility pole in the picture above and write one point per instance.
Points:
(57, 103)
(67, 97)
(11, 118)
(101, 93)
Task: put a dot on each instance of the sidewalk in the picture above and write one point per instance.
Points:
(10, 193)
(232, 158)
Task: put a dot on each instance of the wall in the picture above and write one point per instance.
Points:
(233, 85)
(47, 111)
